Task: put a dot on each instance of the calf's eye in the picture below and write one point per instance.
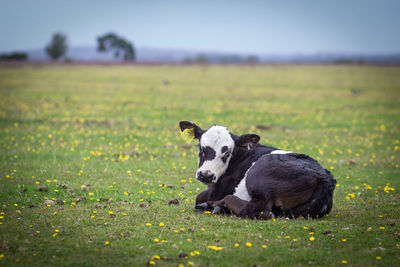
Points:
(225, 156)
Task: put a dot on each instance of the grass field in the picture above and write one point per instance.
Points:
(91, 156)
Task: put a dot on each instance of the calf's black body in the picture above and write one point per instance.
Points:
(291, 185)
(257, 181)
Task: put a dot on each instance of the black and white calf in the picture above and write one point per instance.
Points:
(256, 181)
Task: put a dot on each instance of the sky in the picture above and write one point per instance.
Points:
(247, 26)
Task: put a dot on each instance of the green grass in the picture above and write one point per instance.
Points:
(110, 135)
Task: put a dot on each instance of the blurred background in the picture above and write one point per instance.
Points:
(91, 158)
(207, 32)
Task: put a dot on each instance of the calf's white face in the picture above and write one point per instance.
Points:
(215, 151)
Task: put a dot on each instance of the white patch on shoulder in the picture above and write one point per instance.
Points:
(281, 152)
(241, 190)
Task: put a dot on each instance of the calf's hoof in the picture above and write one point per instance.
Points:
(216, 210)
(201, 206)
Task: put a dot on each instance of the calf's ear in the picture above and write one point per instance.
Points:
(247, 141)
(188, 125)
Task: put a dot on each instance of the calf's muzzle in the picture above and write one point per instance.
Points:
(205, 176)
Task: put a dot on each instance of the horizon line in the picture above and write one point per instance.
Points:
(216, 51)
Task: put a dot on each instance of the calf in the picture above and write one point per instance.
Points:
(257, 181)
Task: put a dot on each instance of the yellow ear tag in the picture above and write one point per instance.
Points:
(188, 134)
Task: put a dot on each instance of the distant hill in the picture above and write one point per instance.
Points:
(142, 55)
(331, 57)
(155, 55)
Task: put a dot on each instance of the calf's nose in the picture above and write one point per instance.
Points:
(207, 173)
(205, 176)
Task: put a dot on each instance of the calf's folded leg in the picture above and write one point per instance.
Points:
(201, 200)
(253, 209)
(259, 209)
(232, 203)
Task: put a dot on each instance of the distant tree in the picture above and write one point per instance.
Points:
(14, 56)
(201, 59)
(57, 46)
(252, 59)
(120, 46)
(187, 60)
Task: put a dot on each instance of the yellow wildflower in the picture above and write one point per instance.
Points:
(215, 248)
